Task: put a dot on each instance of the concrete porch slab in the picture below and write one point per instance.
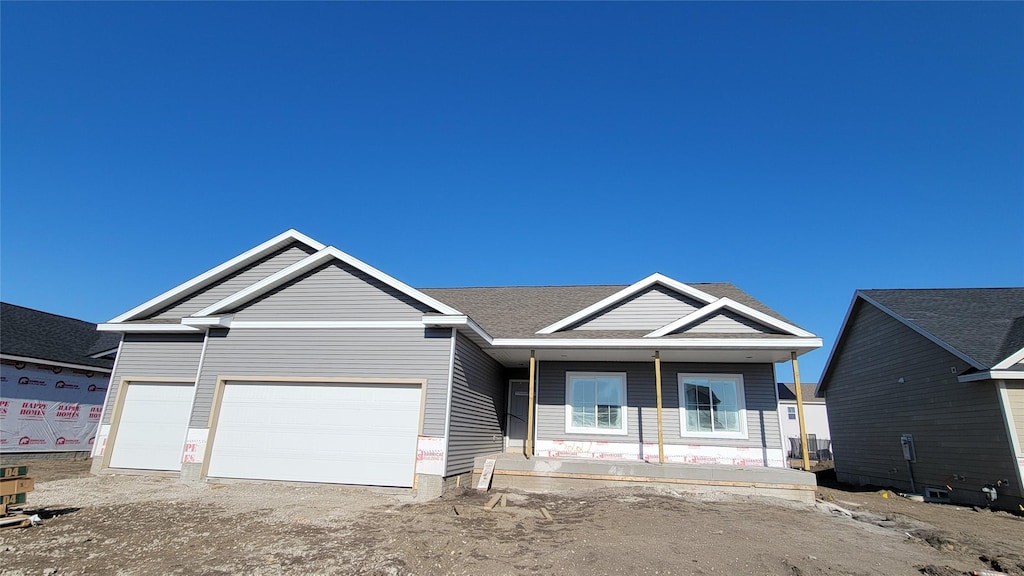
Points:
(542, 474)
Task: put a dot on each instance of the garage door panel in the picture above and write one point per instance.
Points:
(152, 427)
(338, 433)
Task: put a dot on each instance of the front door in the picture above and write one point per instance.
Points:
(518, 406)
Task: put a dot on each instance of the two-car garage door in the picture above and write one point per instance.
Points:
(346, 433)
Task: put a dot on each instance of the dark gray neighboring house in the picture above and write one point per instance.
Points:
(925, 391)
(53, 379)
(296, 361)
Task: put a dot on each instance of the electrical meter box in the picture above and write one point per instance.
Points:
(907, 440)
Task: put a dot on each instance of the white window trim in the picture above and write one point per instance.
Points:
(740, 396)
(570, 429)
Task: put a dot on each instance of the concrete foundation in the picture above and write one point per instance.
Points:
(543, 474)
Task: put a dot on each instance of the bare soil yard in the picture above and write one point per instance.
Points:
(149, 525)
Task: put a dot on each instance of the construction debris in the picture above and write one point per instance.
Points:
(490, 503)
(545, 512)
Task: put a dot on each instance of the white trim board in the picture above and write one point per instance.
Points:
(992, 375)
(626, 293)
(56, 363)
(1010, 360)
(214, 274)
(113, 327)
(309, 263)
(728, 304)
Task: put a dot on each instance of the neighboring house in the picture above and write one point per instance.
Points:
(53, 378)
(815, 420)
(296, 361)
(925, 392)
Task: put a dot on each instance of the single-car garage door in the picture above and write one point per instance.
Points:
(151, 430)
(350, 433)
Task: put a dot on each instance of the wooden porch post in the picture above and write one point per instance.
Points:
(529, 413)
(800, 411)
(657, 388)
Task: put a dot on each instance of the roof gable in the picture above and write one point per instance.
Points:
(309, 264)
(625, 294)
(331, 292)
(212, 276)
(716, 309)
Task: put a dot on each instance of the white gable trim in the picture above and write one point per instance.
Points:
(729, 304)
(143, 327)
(992, 375)
(309, 263)
(626, 293)
(214, 274)
(1010, 360)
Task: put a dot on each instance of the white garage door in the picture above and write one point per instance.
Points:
(153, 425)
(335, 433)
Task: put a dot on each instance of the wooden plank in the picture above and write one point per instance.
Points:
(13, 471)
(545, 512)
(490, 503)
(17, 521)
(485, 475)
(656, 480)
(504, 500)
(12, 499)
(16, 485)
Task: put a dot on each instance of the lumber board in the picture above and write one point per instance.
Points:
(13, 499)
(651, 479)
(490, 503)
(16, 521)
(13, 471)
(545, 512)
(16, 485)
(485, 475)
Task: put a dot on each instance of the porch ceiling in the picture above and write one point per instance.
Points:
(517, 357)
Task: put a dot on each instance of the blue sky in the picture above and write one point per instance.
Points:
(798, 150)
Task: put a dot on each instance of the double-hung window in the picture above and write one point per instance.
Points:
(712, 405)
(595, 402)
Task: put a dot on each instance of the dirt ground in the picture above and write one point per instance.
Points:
(130, 525)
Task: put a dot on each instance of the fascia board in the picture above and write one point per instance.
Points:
(236, 263)
(115, 327)
(55, 363)
(799, 343)
(625, 293)
(938, 341)
(992, 375)
(730, 304)
(835, 346)
(309, 263)
(458, 321)
(103, 353)
(1010, 360)
(210, 321)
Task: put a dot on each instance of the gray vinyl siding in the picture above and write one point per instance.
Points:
(478, 407)
(156, 356)
(334, 291)
(958, 428)
(641, 398)
(330, 352)
(243, 278)
(648, 310)
(728, 323)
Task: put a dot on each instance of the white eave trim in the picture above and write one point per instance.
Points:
(115, 327)
(209, 321)
(458, 321)
(625, 293)
(729, 304)
(674, 343)
(236, 263)
(104, 353)
(1015, 358)
(28, 359)
(309, 263)
(992, 375)
(308, 324)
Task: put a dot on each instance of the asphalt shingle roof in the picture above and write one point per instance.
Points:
(986, 324)
(520, 311)
(34, 334)
(787, 392)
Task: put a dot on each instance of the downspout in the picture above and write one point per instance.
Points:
(800, 410)
(657, 388)
(529, 413)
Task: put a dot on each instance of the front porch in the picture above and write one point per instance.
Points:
(543, 474)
